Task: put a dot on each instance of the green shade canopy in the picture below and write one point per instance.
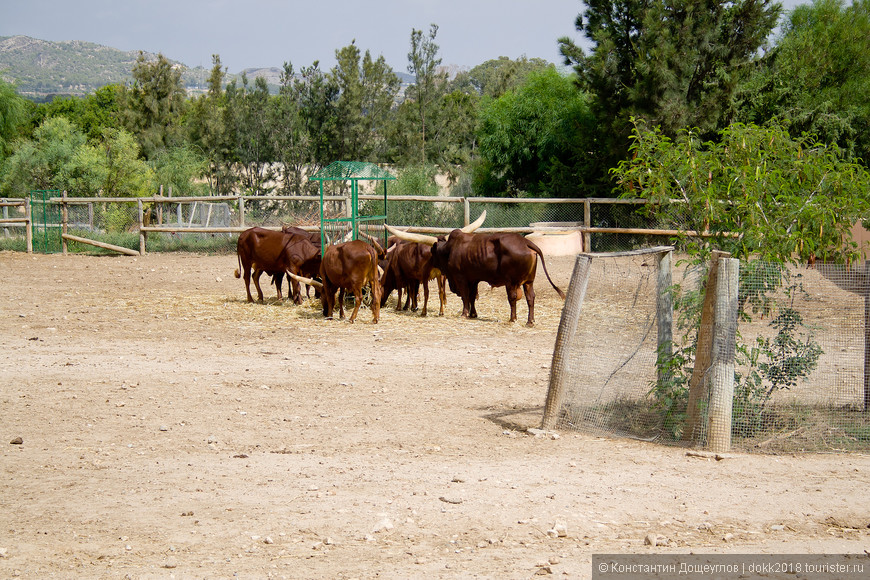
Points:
(351, 170)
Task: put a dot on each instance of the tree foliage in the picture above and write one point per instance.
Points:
(817, 78)
(788, 198)
(532, 139)
(152, 108)
(429, 85)
(675, 63)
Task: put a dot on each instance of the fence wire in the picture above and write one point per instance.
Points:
(799, 358)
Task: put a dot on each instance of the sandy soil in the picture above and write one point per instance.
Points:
(168, 429)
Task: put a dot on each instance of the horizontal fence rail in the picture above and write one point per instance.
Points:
(605, 224)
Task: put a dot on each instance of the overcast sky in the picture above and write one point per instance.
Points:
(267, 33)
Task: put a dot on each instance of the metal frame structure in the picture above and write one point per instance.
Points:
(353, 171)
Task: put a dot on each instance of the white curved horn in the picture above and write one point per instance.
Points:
(304, 280)
(411, 237)
(475, 224)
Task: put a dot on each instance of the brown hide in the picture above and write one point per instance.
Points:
(260, 250)
(499, 259)
(349, 267)
(408, 265)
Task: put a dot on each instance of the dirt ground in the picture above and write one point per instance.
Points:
(155, 425)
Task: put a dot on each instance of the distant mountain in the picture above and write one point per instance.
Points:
(42, 69)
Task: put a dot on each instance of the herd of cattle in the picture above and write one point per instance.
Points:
(462, 260)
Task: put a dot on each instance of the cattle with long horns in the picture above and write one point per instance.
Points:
(499, 259)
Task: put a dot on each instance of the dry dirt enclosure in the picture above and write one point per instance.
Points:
(168, 429)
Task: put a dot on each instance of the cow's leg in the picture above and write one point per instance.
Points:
(471, 292)
(295, 289)
(357, 299)
(425, 297)
(247, 276)
(341, 303)
(279, 280)
(399, 298)
(529, 287)
(257, 273)
(414, 291)
(442, 293)
(376, 301)
(512, 300)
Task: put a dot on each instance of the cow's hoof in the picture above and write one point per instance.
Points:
(530, 324)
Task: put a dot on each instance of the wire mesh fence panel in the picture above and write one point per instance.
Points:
(800, 376)
(611, 360)
(799, 355)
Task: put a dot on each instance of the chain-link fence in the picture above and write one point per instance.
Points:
(796, 365)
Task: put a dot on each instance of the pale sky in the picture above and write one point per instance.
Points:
(267, 33)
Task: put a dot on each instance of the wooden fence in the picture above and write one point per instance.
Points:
(166, 224)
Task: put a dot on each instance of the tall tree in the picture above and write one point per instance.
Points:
(291, 138)
(208, 131)
(429, 84)
(251, 133)
(674, 63)
(495, 77)
(13, 116)
(817, 77)
(534, 140)
(152, 108)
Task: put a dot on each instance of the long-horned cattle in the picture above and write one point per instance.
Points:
(499, 259)
(347, 267)
(408, 265)
(262, 250)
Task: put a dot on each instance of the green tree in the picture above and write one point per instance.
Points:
(292, 148)
(534, 139)
(60, 157)
(180, 169)
(675, 63)
(152, 108)
(13, 116)
(207, 131)
(495, 77)
(91, 114)
(788, 198)
(367, 91)
(126, 175)
(250, 133)
(429, 83)
(817, 77)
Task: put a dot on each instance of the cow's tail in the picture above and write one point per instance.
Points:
(238, 272)
(534, 247)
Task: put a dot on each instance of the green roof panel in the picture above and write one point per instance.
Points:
(351, 170)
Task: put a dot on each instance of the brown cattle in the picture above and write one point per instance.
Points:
(261, 250)
(314, 238)
(499, 259)
(408, 265)
(348, 267)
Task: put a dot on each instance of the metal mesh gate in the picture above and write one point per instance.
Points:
(46, 221)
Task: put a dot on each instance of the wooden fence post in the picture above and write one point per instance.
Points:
(587, 222)
(64, 223)
(703, 352)
(664, 317)
(564, 338)
(28, 228)
(724, 354)
(141, 225)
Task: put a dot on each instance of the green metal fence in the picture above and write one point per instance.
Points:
(47, 221)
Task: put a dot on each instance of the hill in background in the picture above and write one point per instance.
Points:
(43, 69)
